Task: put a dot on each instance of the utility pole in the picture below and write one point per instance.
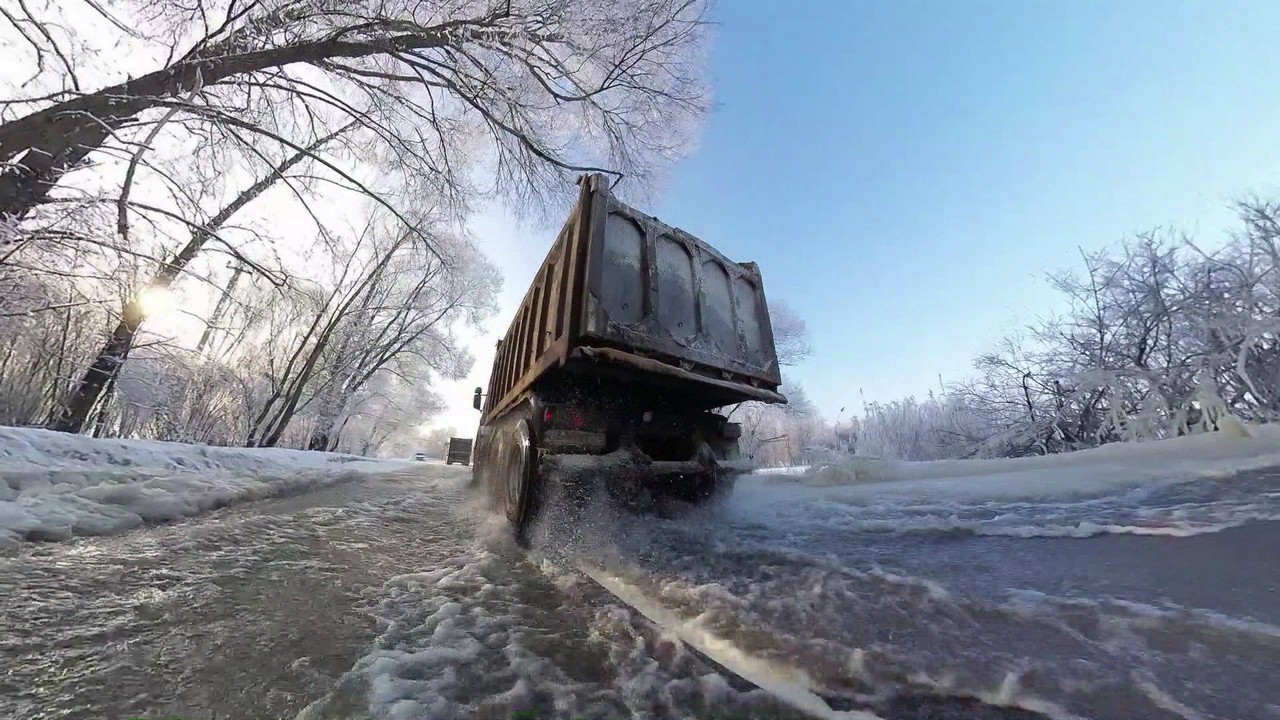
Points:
(221, 308)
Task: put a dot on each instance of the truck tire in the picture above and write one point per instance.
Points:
(713, 488)
(482, 472)
(520, 479)
(709, 489)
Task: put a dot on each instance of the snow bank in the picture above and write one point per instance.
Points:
(1179, 487)
(1217, 454)
(54, 486)
(784, 470)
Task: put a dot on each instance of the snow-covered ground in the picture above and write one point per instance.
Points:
(1127, 488)
(1243, 447)
(54, 486)
(784, 470)
(900, 589)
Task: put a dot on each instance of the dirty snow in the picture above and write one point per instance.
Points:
(55, 486)
(838, 600)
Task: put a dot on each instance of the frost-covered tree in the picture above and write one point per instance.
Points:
(933, 429)
(790, 334)
(435, 442)
(779, 434)
(219, 149)
(1157, 337)
(548, 87)
(391, 307)
(105, 366)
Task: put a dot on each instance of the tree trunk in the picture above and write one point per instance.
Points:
(337, 435)
(319, 440)
(104, 408)
(327, 434)
(324, 434)
(104, 368)
(56, 390)
(219, 309)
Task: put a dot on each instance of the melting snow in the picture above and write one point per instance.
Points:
(1146, 488)
(54, 486)
(1215, 454)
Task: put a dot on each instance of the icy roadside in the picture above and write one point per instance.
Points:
(785, 470)
(1176, 488)
(55, 486)
(1210, 455)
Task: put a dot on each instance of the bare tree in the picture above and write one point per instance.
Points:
(393, 313)
(790, 334)
(115, 351)
(554, 87)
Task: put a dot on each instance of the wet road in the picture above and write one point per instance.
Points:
(399, 598)
(248, 612)
(333, 604)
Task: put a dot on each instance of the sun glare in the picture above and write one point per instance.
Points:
(156, 301)
(169, 315)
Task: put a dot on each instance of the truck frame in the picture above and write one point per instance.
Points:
(631, 334)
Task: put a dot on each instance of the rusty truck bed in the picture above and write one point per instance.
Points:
(622, 289)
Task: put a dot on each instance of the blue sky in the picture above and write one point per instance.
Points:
(905, 171)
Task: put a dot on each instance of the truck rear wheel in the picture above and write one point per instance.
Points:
(520, 476)
(714, 486)
(706, 489)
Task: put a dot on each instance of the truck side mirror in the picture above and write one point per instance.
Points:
(476, 401)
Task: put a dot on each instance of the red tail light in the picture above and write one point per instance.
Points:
(564, 416)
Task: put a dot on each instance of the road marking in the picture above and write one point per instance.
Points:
(789, 685)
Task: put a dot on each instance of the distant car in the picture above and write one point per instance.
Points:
(421, 457)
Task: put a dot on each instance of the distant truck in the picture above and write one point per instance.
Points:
(630, 335)
(459, 451)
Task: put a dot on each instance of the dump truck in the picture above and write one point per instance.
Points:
(629, 339)
(459, 451)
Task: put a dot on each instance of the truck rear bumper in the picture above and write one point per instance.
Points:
(632, 464)
(655, 367)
